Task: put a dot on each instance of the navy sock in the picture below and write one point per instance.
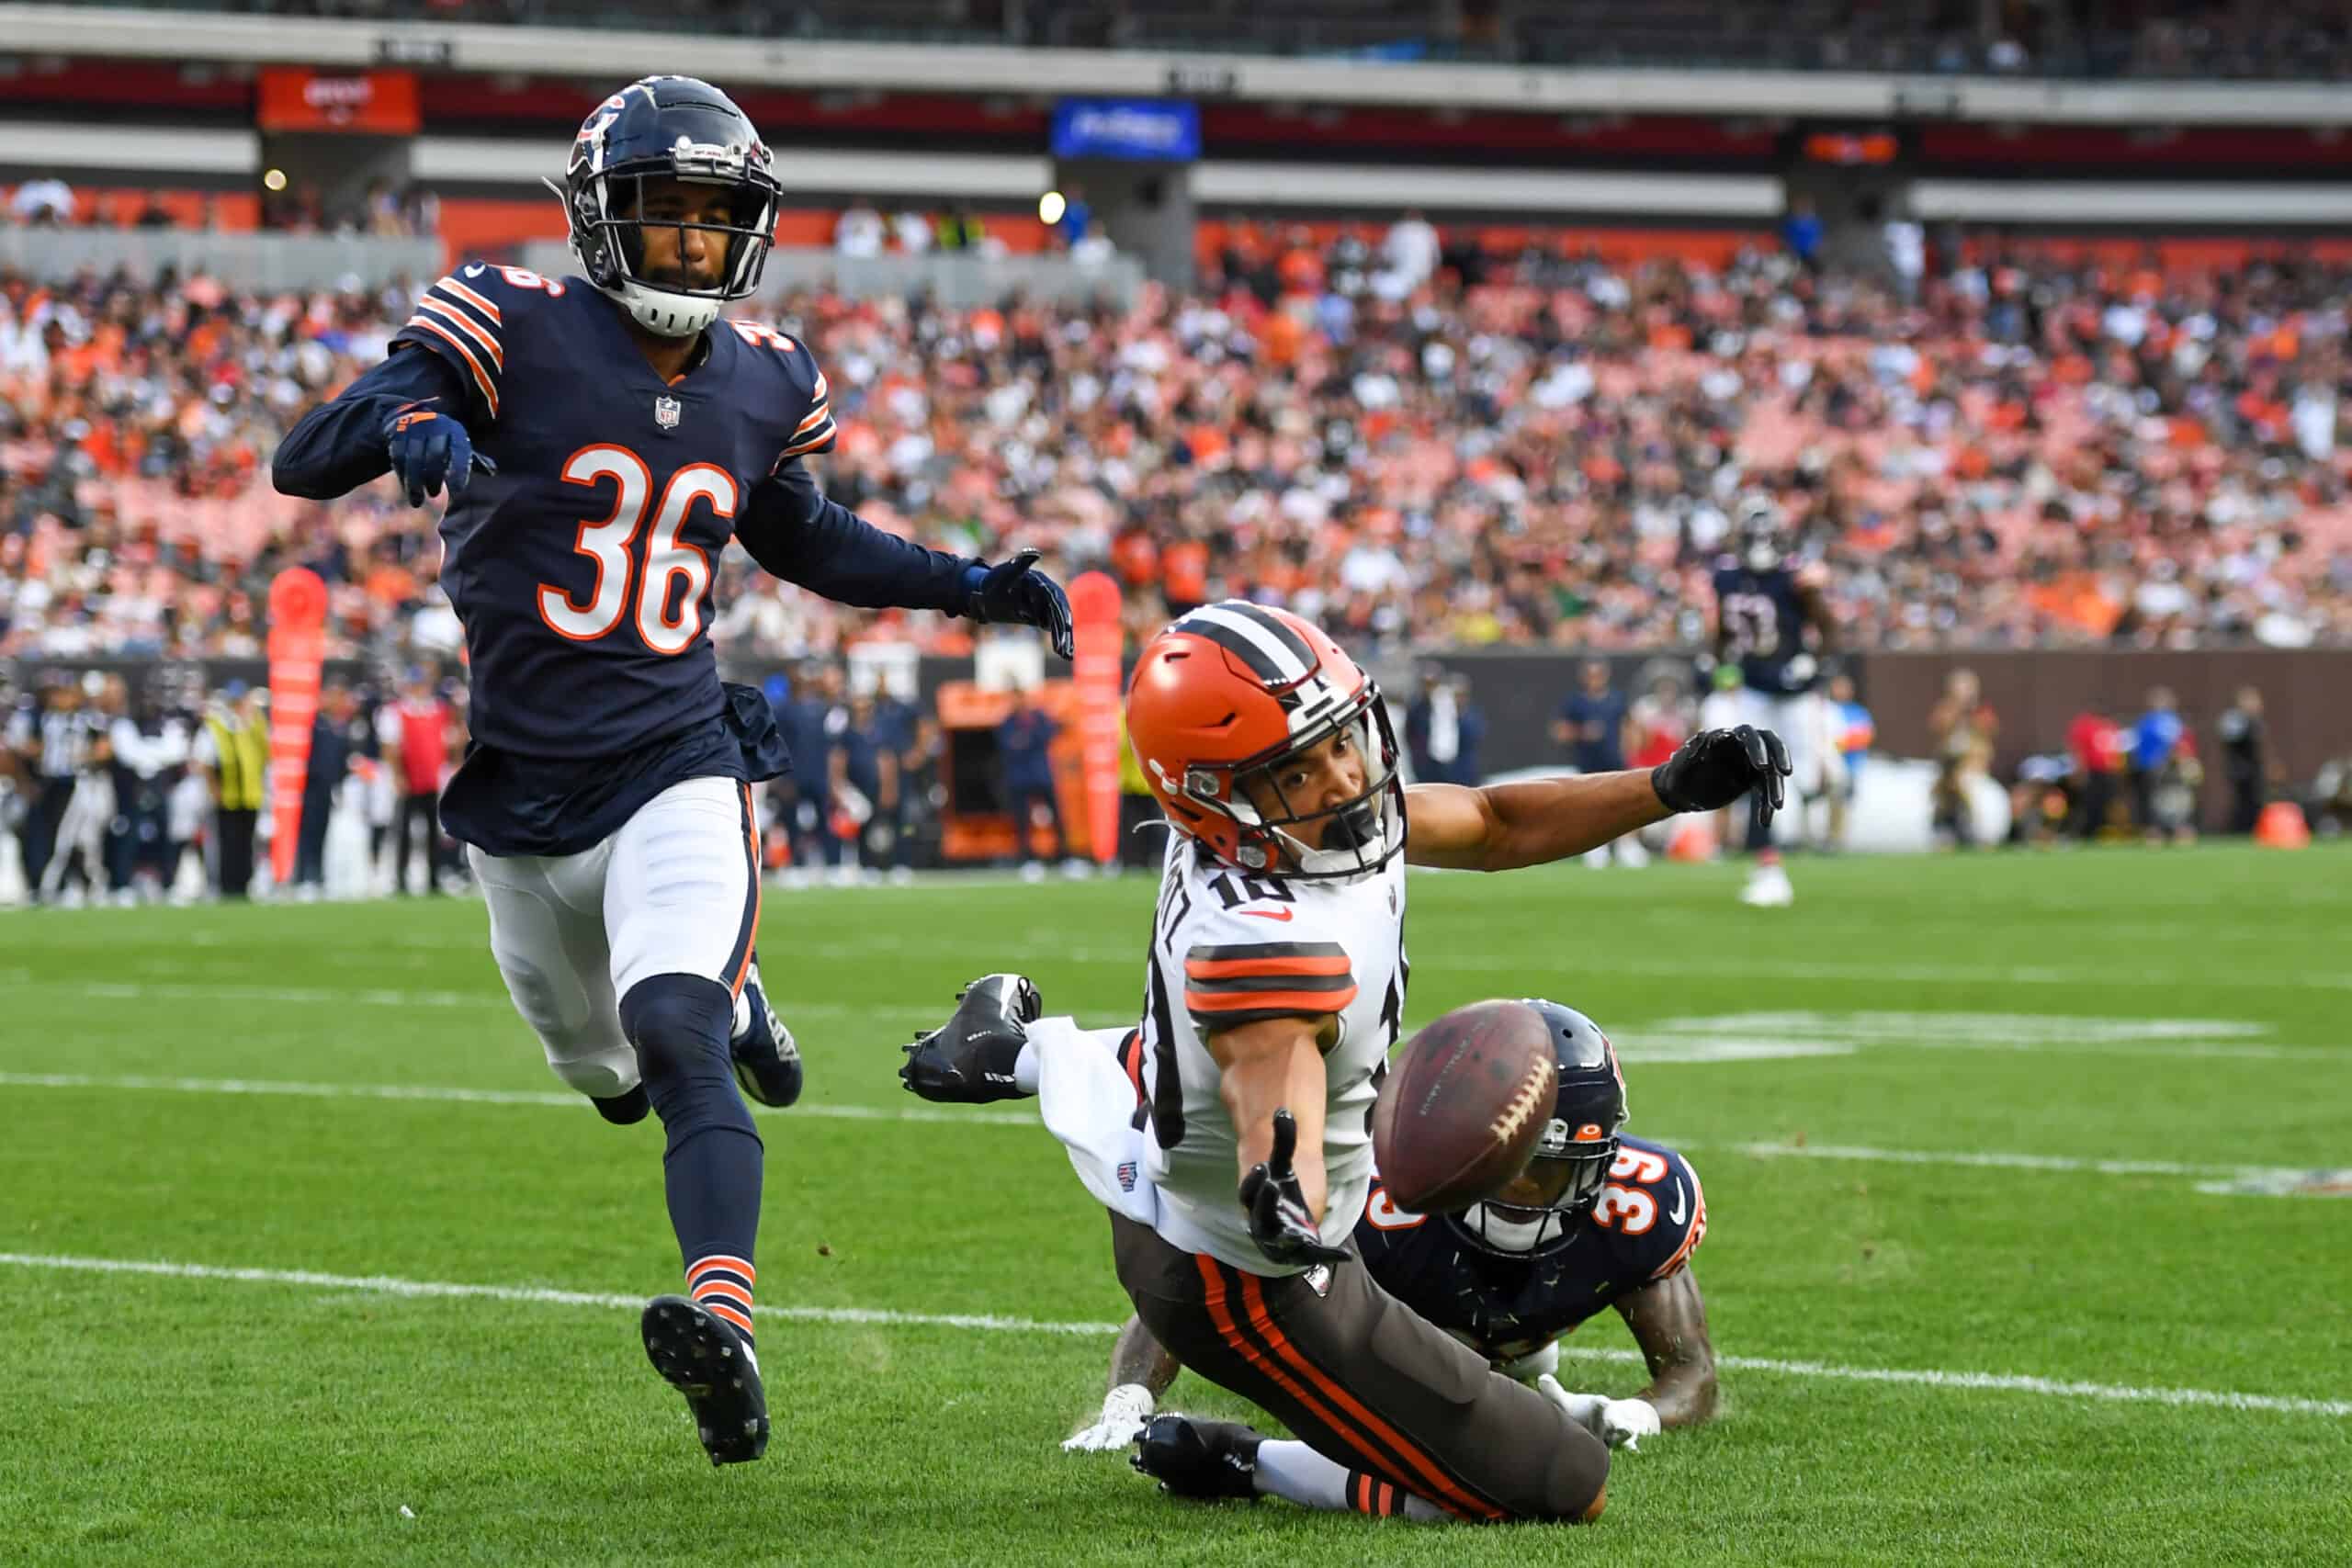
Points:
(711, 1169)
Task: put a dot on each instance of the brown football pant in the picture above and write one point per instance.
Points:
(1365, 1381)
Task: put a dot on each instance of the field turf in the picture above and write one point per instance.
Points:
(1993, 1150)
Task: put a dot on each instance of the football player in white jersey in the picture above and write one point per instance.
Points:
(1275, 992)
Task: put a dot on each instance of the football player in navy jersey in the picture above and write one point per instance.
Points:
(1598, 1220)
(1772, 620)
(602, 439)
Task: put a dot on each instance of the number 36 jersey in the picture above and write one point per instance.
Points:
(582, 569)
(1228, 950)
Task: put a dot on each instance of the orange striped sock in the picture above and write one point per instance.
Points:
(721, 1285)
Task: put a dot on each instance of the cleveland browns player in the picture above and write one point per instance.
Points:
(1275, 991)
(1598, 1220)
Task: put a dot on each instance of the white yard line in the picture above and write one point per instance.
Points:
(1998, 1382)
(2009, 1159)
(135, 1083)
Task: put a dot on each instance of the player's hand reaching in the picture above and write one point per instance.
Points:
(1016, 592)
(429, 448)
(1280, 1222)
(1124, 1410)
(1619, 1422)
(1716, 767)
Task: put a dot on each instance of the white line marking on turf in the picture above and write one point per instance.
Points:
(112, 990)
(985, 1116)
(481, 1097)
(378, 1284)
(2000, 1382)
(2005, 1159)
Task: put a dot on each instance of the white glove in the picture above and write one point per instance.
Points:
(1619, 1422)
(1584, 1409)
(1625, 1422)
(1124, 1410)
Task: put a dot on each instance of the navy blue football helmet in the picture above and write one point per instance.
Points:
(1578, 1144)
(674, 128)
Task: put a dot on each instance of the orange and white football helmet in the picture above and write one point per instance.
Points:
(1229, 694)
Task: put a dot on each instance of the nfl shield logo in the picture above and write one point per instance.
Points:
(1319, 1279)
(1126, 1176)
(665, 412)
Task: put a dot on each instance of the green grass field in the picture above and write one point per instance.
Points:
(1956, 1117)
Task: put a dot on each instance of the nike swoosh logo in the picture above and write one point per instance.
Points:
(476, 270)
(1269, 914)
(1680, 1201)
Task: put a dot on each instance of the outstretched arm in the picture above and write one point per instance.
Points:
(340, 445)
(793, 532)
(1500, 827)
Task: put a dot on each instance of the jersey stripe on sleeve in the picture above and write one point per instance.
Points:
(464, 328)
(1250, 982)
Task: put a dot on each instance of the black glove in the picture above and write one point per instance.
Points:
(1013, 593)
(1279, 1222)
(427, 448)
(1716, 767)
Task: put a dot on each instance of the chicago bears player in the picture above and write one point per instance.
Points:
(602, 438)
(1274, 990)
(1772, 620)
(1596, 1220)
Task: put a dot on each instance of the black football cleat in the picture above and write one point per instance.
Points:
(1210, 1460)
(767, 1062)
(698, 1354)
(625, 1110)
(970, 1059)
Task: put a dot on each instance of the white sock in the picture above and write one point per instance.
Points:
(1292, 1470)
(1025, 1068)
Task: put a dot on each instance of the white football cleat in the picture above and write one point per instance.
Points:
(1768, 889)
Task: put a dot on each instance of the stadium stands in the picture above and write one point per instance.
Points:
(2037, 453)
(2281, 40)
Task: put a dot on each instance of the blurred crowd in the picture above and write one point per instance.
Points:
(1416, 442)
(154, 785)
(2096, 38)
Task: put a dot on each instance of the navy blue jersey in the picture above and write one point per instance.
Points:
(1650, 1218)
(582, 569)
(584, 566)
(1763, 618)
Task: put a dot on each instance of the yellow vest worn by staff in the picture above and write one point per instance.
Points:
(243, 761)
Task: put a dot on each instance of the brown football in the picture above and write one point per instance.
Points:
(1464, 1106)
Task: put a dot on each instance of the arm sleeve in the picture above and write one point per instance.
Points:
(339, 445)
(794, 532)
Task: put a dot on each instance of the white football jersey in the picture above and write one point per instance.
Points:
(1229, 948)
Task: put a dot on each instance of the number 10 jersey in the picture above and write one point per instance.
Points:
(1228, 950)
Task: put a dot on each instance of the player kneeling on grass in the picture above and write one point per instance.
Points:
(1275, 992)
(1596, 1220)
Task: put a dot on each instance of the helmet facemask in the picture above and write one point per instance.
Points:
(1359, 835)
(606, 205)
(1561, 1184)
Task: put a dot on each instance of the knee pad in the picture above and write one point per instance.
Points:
(679, 1024)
